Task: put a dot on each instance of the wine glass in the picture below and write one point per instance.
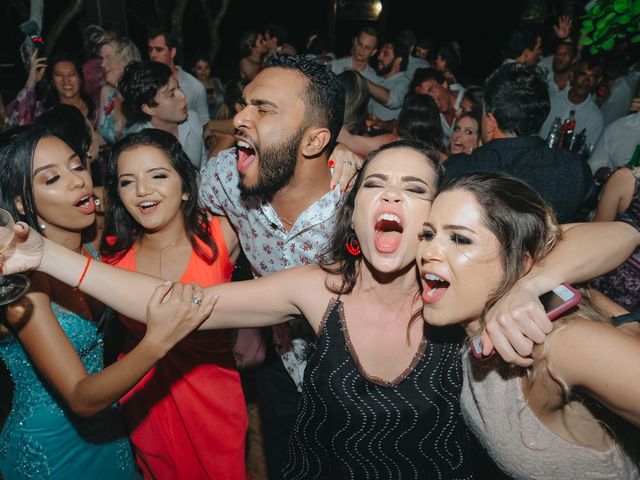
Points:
(13, 286)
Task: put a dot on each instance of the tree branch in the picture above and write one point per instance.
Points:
(141, 19)
(60, 24)
(214, 25)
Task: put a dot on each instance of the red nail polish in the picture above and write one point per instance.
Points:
(332, 163)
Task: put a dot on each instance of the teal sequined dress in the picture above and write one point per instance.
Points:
(42, 438)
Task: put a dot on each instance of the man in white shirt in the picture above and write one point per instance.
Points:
(274, 187)
(163, 48)
(389, 91)
(151, 98)
(618, 103)
(588, 116)
(561, 71)
(364, 47)
(617, 144)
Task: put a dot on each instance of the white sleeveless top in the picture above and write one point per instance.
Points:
(496, 411)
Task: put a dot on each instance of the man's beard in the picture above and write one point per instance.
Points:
(383, 71)
(561, 69)
(276, 166)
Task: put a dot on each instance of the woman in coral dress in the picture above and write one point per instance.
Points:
(187, 417)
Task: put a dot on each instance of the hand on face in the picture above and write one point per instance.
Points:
(345, 165)
(460, 263)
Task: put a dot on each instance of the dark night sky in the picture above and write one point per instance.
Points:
(480, 27)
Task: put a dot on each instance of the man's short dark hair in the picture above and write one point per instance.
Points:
(170, 40)
(421, 75)
(573, 48)
(407, 38)
(518, 98)
(323, 95)
(276, 31)
(592, 63)
(401, 51)
(248, 42)
(369, 31)
(139, 85)
(524, 38)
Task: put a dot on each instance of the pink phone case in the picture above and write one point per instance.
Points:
(570, 296)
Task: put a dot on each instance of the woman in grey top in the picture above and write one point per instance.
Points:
(575, 412)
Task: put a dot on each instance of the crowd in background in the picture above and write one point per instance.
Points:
(122, 155)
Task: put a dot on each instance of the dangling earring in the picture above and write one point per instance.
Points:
(352, 244)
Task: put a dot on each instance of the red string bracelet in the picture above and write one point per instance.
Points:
(84, 272)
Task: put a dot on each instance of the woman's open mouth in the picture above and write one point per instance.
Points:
(388, 233)
(434, 288)
(86, 204)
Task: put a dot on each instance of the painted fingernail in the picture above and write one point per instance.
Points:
(167, 282)
(331, 163)
(333, 187)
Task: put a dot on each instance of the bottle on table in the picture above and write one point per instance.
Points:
(567, 130)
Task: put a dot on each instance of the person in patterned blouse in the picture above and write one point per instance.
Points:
(275, 188)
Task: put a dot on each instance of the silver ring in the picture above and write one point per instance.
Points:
(195, 300)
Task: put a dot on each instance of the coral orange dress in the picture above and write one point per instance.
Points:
(187, 417)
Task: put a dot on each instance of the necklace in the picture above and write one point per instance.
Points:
(160, 250)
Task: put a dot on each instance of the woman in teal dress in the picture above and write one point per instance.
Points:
(62, 422)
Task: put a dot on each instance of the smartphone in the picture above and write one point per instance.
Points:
(38, 44)
(555, 302)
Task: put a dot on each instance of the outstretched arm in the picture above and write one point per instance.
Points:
(171, 316)
(585, 251)
(601, 361)
(266, 301)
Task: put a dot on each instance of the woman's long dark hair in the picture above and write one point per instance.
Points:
(356, 96)
(346, 265)
(121, 230)
(46, 90)
(67, 122)
(419, 120)
(17, 149)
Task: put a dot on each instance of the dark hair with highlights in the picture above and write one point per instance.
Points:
(346, 265)
(121, 230)
(323, 94)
